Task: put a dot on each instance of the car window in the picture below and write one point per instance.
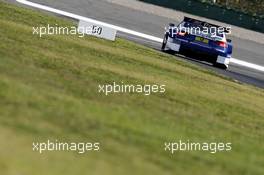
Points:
(211, 32)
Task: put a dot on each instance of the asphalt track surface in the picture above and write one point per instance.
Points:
(154, 25)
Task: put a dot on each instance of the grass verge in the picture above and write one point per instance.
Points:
(49, 90)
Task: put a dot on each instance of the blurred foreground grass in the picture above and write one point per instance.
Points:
(49, 90)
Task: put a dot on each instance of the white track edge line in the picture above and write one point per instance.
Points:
(121, 29)
(71, 15)
(247, 64)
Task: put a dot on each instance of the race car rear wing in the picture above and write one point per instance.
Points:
(203, 23)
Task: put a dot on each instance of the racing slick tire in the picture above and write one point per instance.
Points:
(164, 43)
(221, 62)
(221, 66)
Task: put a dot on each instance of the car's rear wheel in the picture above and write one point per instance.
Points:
(221, 66)
(164, 43)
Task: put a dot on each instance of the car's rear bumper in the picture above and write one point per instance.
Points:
(210, 54)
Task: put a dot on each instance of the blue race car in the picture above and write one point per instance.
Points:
(207, 41)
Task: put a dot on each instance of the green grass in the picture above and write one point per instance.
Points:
(49, 90)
